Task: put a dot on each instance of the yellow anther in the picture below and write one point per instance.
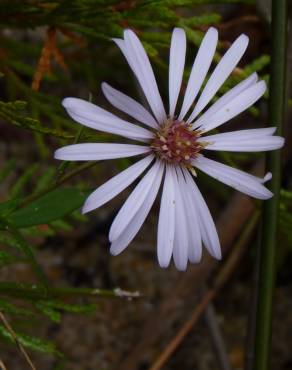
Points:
(193, 171)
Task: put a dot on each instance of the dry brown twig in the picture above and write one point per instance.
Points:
(19, 345)
(2, 366)
(217, 338)
(51, 51)
(48, 52)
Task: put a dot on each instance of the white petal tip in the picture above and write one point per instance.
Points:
(128, 32)
(178, 30)
(163, 264)
(114, 252)
(267, 196)
(86, 208)
(57, 154)
(268, 177)
(244, 39)
(67, 102)
(217, 255)
(213, 30)
(104, 87)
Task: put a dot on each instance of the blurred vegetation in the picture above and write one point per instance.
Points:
(48, 47)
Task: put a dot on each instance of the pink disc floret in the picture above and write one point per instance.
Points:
(176, 142)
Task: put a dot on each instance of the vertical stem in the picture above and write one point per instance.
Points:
(266, 277)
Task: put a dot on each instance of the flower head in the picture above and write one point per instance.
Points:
(172, 146)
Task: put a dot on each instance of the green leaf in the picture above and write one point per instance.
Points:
(54, 315)
(49, 207)
(33, 343)
(14, 310)
(52, 309)
(6, 207)
(72, 308)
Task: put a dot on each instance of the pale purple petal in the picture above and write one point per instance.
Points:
(181, 238)
(166, 222)
(241, 134)
(200, 69)
(222, 71)
(239, 180)
(134, 226)
(140, 64)
(254, 140)
(97, 118)
(128, 105)
(207, 227)
(122, 46)
(134, 202)
(98, 151)
(194, 234)
(225, 99)
(115, 185)
(236, 106)
(176, 66)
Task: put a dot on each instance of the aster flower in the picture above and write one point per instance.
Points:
(172, 144)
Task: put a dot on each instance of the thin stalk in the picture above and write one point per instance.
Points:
(267, 262)
(39, 292)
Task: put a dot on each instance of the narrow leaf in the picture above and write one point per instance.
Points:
(49, 207)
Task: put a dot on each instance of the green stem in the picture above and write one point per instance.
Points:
(34, 291)
(267, 262)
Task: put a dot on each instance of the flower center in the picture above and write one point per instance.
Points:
(176, 142)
